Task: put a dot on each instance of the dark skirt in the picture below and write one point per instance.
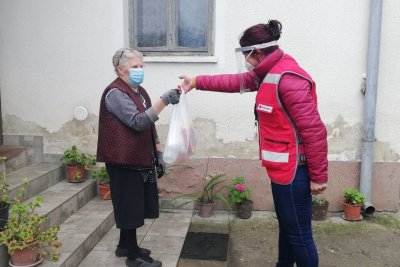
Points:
(133, 199)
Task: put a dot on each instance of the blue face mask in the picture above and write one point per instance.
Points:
(136, 76)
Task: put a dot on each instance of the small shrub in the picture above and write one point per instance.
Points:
(72, 157)
(238, 191)
(101, 175)
(353, 196)
(319, 200)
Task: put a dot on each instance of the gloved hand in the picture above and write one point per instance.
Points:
(171, 97)
(160, 167)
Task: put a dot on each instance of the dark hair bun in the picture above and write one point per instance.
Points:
(274, 28)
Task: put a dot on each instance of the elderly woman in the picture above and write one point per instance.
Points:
(129, 146)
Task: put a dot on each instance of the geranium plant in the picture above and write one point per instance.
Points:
(25, 229)
(77, 163)
(101, 175)
(353, 196)
(72, 157)
(239, 191)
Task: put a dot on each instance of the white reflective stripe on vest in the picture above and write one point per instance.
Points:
(274, 156)
(272, 78)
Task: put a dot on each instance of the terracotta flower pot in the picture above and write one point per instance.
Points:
(244, 209)
(104, 191)
(4, 215)
(352, 212)
(205, 209)
(319, 212)
(25, 257)
(76, 174)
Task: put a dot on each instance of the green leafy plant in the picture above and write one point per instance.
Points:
(238, 191)
(72, 157)
(319, 200)
(353, 196)
(211, 190)
(25, 229)
(101, 175)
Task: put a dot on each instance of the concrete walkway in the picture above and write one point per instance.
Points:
(164, 237)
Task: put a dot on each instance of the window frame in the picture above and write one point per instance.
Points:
(171, 49)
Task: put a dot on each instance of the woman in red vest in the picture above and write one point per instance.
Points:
(292, 136)
(129, 146)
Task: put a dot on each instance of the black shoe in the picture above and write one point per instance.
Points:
(143, 261)
(123, 252)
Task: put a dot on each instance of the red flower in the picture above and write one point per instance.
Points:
(239, 187)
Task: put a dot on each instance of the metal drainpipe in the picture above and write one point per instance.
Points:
(370, 104)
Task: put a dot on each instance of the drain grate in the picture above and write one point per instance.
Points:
(205, 246)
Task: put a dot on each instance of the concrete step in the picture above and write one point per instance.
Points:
(40, 177)
(31, 141)
(60, 202)
(17, 157)
(163, 236)
(63, 199)
(80, 233)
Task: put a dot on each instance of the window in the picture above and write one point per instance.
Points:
(172, 27)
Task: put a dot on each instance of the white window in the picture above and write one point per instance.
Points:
(172, 27)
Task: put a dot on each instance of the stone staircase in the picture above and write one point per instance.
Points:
(83, 217)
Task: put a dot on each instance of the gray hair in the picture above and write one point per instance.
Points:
(122, 56)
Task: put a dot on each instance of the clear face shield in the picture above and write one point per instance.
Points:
(248, 78)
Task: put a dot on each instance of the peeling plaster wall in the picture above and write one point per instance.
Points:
(55, 55)
(345, 143)
(74, 132)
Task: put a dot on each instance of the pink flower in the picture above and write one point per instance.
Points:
(239, 187)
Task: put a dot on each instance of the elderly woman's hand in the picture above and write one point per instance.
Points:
(161, 168)
(171, 97)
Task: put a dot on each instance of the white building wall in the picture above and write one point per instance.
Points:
(55, 55)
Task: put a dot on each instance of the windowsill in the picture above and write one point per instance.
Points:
(183, 59)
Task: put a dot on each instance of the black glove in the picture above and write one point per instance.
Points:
(160, 166)
(171, 97)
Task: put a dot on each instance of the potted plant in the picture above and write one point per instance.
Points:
(209, 193)
(353, 200)
(103, 179)
(239, 194)
(320, 206)
(28, 243)
(77, 164)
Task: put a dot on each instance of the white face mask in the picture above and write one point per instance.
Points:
(248, 66)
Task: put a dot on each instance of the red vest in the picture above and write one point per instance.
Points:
(279, 148)
(119, 144)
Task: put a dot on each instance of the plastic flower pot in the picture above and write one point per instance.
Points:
(244, 209)
(104, 191)
(352, 212)
(76, 174)
(319, 212)
(26, 257)
(4, 215)
(205, 209)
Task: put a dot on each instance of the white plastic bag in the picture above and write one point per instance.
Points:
(180, 141)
